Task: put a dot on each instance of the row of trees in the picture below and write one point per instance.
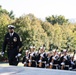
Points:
(55, 32)
(57, 19)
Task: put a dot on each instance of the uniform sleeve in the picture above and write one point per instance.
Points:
(19, 45)
(4, 45)
(23, 59)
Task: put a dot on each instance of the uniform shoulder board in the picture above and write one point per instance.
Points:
(20, 39)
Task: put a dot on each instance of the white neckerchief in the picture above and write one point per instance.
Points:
(11, 34)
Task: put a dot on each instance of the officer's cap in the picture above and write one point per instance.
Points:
(11, 26)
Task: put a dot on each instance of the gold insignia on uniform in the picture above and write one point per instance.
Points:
(14, 39)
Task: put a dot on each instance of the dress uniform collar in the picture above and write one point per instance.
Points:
(11, 34)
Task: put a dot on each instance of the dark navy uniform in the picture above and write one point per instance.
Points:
(13, 45)
(25, 60)
(49, 59)
(33, 59)
(66, 61)
(42, 59)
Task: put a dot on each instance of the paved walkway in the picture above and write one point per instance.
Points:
(6, 64)
(17, 70)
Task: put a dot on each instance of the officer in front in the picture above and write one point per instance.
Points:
(12, 41)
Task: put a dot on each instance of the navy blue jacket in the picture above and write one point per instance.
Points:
(12, 43)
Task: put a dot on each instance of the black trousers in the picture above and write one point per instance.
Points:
(12, 59)
(33, 64)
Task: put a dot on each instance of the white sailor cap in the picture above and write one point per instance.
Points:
(27, 51)
(71, 55)
(41, 47)
(31, 46)
(54, 50)
(11, 26)
(64, 50)
(47, 52)
(59, 52)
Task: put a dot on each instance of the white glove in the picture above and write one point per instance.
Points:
(29, 60)
(45, 62)
(72, 63)
(24, 62)
(62, 63)
(2, 53)
(47, 65)
(51, 63)
(40, 61)
(18, 55)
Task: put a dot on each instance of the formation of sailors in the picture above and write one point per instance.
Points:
(52, 59)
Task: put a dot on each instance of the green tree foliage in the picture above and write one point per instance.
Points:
(4, 21)
(4, 11)
(11, 15)
(54, 33)
(31, 31)
(57, 19)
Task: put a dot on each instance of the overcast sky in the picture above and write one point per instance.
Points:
(41, 8)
